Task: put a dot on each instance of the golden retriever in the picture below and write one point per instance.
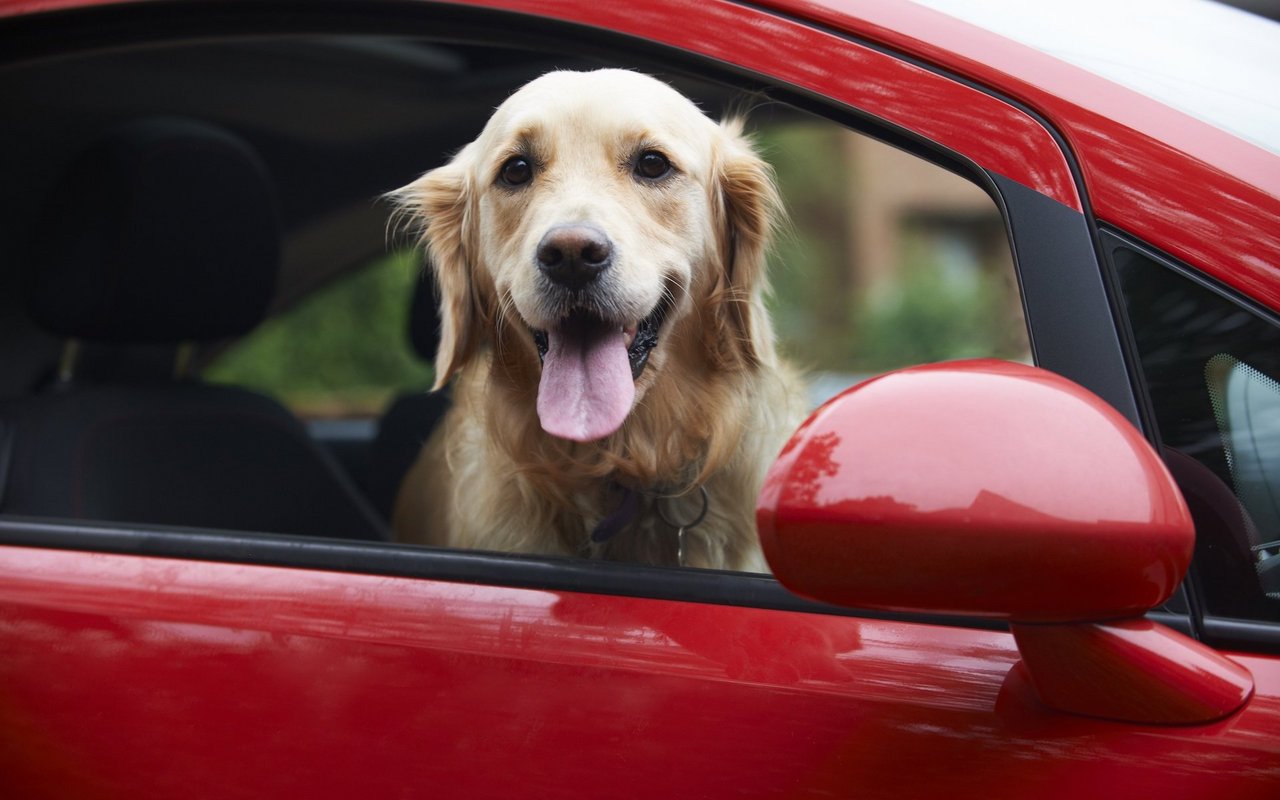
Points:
(600, 254)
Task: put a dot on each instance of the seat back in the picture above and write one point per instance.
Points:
(164, 232)
(411, 417)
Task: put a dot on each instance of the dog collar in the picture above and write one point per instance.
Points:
(628, 511)
(619, 518)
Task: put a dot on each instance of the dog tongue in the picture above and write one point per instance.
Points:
(586, 389)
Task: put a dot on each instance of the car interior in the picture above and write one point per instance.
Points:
(162, 201)
(1207, 361)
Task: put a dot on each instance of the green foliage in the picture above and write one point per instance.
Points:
(344, 349)
(929, 316)
(809, 304)
(934, 307)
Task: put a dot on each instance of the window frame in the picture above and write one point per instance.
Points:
(1055, 251)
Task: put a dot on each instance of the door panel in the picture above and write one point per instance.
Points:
(128, 676)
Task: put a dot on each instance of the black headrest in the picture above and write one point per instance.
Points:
(424, 317)
(163, 231)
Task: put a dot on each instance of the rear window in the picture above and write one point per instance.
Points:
(1211, 366)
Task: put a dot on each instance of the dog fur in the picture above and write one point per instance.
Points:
(714, 403)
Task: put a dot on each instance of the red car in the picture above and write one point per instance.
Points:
(993, 579)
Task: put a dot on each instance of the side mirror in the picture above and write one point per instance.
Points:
(988, 488)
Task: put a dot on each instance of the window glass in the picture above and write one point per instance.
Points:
(888, 260)
(343, 351)
(1246, 406)
(1211, 369)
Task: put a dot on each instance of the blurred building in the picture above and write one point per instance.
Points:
(900, 202)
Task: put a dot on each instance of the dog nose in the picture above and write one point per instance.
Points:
(573, 255)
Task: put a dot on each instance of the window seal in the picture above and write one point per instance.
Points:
(1118, 237)
(713, 587)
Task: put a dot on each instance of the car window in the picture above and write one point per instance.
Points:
(342, 351)
(1211, 367)
(889, 260)
(886, 261)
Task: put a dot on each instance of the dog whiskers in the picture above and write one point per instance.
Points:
(506, 306)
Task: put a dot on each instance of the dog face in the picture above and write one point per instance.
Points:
(594, 218)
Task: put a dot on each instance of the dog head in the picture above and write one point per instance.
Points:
(605, 227)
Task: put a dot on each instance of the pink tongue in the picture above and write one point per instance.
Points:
(586, 389)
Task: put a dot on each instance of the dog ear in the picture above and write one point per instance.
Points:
(439, 204)
(747, 207)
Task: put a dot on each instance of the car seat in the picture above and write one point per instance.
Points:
(164, 232)
(410, 418)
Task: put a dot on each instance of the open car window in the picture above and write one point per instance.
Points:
(886, 260)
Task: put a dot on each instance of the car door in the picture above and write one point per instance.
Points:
(166, 662)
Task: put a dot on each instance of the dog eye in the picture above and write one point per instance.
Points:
(515, 171)
(652, 165)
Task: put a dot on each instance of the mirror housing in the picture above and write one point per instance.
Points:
(988, 488)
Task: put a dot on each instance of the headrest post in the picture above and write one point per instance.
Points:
(67, 362)
(182, 360)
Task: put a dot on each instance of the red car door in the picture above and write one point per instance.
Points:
(146, 662)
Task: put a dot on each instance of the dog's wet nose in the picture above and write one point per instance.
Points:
(573, 255)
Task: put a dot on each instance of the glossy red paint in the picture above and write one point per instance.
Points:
(1131, 670)
(147, 677)
(975, 487)
(986, 487)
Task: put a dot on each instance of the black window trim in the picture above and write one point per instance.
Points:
(716, 587)
(1114, 237)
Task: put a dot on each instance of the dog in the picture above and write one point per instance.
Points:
(600, 254)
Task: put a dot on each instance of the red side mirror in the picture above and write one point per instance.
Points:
(997, 489)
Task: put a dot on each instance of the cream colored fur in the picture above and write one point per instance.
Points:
(714, 404)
